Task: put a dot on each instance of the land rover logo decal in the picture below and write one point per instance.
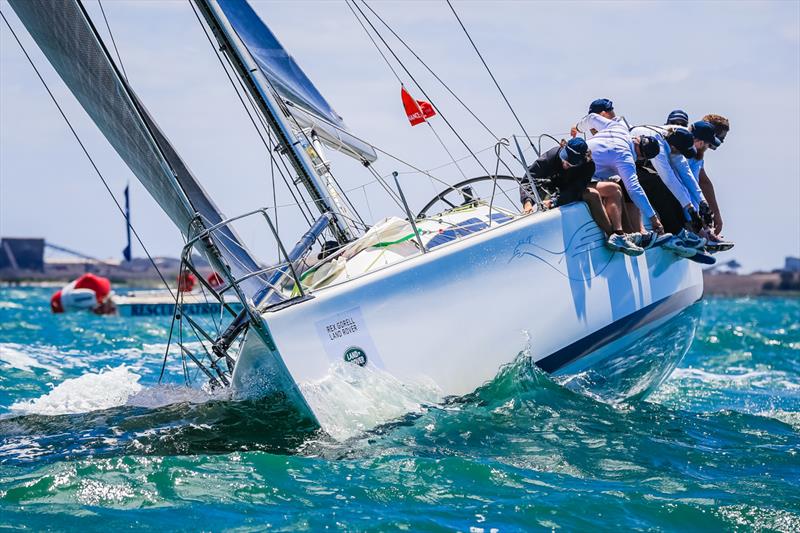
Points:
(356, 355)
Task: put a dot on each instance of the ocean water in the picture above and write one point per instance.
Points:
(89, 441)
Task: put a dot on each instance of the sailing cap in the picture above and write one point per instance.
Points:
(649, 147)
(679, 117)
(704, 131)
(574, 152)
(682, 140)
(601, 104)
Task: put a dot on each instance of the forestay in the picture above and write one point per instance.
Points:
(304, 102)
(65, 34)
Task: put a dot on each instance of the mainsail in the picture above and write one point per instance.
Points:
(304, 101)
(65, 34)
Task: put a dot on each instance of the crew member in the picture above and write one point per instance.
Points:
(721, 128)
(678, 117)
(672, 167)
(615, 154)
(88, 292)
(603, 107)
(564, 173)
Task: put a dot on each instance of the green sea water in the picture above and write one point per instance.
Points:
(88, 441)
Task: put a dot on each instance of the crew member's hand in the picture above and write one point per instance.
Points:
(527, 207)
(695, 222)
(656, 223)
(706, 214)
(573, 131)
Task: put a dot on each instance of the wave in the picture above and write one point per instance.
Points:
(737, 377)
(352, 399)
(17, 356)
(89, 392)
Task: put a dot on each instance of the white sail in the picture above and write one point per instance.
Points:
(65, 34)
(304, 101)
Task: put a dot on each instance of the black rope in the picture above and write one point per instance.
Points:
(488, 70)
(113, 41)
(85, 151)
(427, 97)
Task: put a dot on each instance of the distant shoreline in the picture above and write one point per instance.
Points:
(719, 284)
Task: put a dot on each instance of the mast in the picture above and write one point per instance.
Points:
(323, 192)
(126, 253)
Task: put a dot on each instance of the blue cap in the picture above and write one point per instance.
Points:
(704, 131)
(678, 117)
(682, 140)
(574, 152)
(601, 104)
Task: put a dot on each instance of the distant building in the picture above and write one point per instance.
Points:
(22, 254)
(792, 264)
(25, 260)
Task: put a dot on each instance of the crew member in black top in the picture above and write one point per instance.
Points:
(562, 172)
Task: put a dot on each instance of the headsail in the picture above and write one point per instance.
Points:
(66, 36)
(303, 100)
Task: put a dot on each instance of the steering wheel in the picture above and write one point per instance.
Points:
(461, 193)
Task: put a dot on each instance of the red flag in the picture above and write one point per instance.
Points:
(416, 110)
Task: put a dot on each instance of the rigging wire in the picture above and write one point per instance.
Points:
(86, 152)
(430, 70)
(378, 48)
(411, 76)
(301, 130)
(489, 70)
(113, 41)
(386, 60)
(267, 145)
(442, 82)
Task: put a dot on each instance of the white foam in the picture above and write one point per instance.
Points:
(161, 395)
(15, 356)
(352, 399)
(89, 392)
(743, 378)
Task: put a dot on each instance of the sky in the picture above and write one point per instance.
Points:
(738, 59)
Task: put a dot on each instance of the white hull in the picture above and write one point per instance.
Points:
(543, 284)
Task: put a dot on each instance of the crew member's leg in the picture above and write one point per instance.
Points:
(595, 202)
(664, 202)
(631, 216)
(610, 196)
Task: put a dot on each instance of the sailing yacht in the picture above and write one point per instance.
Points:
(444, 297)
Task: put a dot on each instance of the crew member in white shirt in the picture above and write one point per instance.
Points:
(603, 107)
(615, 153)
(676, 145)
